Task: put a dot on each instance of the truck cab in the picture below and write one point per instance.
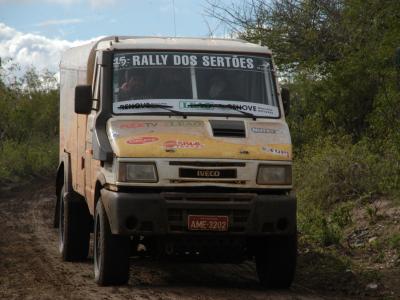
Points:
(175, 148)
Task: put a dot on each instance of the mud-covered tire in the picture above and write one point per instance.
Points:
(56, 217)
(73, 228)
(111, 252)
(276, 258)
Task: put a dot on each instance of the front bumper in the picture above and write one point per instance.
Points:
(250, 214)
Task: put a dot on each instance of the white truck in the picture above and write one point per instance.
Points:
(178, 148)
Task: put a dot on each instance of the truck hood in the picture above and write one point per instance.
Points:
(161, 138)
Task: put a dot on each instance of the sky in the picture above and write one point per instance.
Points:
(36, 32)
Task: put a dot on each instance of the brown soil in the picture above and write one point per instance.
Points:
(30, 266)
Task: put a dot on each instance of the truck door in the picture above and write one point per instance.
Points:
(91, 165)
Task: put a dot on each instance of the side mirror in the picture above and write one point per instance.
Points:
(285, 94)
(83, 99)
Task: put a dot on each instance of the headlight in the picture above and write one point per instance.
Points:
(137, 172)
(274, 175)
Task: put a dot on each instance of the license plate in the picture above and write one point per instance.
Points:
(208, 223)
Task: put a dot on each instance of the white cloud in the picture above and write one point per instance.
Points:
(101, 3)
(67, 2)
(28, 49)
(93, 3)
(59, 22)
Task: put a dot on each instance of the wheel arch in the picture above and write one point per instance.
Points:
(63, 178)
(59, 179)
(100, 182)
(59, 184)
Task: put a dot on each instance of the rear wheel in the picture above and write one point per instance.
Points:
(276, 261)
(74, 230)
(111, 252)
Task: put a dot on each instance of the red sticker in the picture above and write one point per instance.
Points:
(142, 140)
(131, 125)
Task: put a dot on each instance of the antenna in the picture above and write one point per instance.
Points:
(173, 7)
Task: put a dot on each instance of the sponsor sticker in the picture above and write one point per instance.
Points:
(184, 124)
(189, 105)
(138, 125)
(275, 151)
(142, 140)
(176, 123)
(264, 130)
(270, 111)
(183, 144)
(203, 106)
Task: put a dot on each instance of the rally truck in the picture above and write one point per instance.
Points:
(176, 149)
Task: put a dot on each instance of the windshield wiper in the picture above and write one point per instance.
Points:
(229, 106)
(152, 105)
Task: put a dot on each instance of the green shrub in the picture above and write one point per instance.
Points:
(24, 160)
(331, 174)
(341, 215)
(394, 241)
(334, 170)
(318, 227)
(28, 126)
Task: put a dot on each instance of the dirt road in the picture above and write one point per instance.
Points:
(30, 267)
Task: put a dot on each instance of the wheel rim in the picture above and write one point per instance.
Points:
(61, 225)
(97, 251)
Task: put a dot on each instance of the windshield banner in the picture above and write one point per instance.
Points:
(195, 106)
(223, 61)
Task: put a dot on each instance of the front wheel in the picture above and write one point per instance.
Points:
(111, 252)
(276, 261)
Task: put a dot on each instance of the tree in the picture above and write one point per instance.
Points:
(337, 53)
(300, 33)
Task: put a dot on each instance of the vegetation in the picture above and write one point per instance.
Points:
(28, 125)
(337, 58)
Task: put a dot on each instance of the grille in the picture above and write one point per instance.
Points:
(207, 181)
(207, 164)
(208, 197)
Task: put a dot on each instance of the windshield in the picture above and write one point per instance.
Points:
(193, 83)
